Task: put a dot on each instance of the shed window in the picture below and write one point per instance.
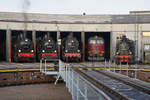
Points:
(146, 47)
(146, 33)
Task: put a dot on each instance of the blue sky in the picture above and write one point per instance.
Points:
(76, 6)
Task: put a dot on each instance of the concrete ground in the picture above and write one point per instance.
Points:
(6, 65)
(35, 92)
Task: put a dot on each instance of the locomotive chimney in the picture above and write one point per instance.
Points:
(25, 7)
(71, 34)
(48, 35)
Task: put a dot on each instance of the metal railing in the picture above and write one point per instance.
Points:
(112, 67)
(43, 68)
(78, 86)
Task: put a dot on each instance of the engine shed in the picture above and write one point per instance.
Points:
(135, 25)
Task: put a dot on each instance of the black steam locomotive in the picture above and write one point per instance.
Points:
(47, 48)
(70, 49)
(125, 50)
(23, 49)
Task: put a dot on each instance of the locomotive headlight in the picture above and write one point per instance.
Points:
(19, 50)
(26, 39)
(78, 50)
(43, 50)
(49, 40)
(55, 51)
(32, 50)
(117, 53)
(66, 51)
(130, 53)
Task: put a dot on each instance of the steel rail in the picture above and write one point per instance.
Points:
(113, 94)
(130, 83)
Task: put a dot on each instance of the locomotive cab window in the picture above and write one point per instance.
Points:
(92, 41)
(100, 42)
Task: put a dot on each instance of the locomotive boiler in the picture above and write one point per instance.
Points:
(125, 50)
(96, 48)
(71, 50)
(47, 48)
(23, 49)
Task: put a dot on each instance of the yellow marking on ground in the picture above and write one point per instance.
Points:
(89, 68)
(96, 68)
(80, 68)
(51, 69)
(20, 70)
(124, 69)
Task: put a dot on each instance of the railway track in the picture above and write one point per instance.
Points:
(117, 89)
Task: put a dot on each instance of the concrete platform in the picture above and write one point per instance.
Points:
(35, 92)
(6, 65)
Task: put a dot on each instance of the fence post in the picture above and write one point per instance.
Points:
(66, 76)
(72, 84)
(77, 87)
(45, 65)
(114, 67)
(120, 68)
(86, 96)
(69, 79)
(41, 65)
(109, 66)
(105, 64)
(127, 69)
(136, 71)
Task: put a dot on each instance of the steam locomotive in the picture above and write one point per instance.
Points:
(47, 48)
(23, 49)
(70, 49)
(125, 51)
(96, 48)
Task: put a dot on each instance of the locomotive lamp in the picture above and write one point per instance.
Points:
(55, 51)
(78, 50)
(19, 50)
(49, 40)
(32, 50)
(66, 51)
(43, 50)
